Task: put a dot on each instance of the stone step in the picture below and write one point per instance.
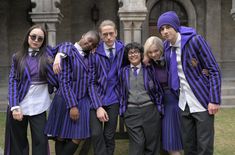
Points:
(228, 101)
(228, 90)
(228, 82)
(3, 106)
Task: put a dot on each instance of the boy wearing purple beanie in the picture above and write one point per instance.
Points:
(186, 54)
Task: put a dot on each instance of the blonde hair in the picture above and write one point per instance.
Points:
(107, 23)
(153, 40)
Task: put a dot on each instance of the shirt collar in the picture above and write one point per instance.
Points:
(138, 66)
(107, 48)
(31, 50)
(79, 48)
(35, 51)
(178, 41)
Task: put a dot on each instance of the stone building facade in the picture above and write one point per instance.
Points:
(67, 20)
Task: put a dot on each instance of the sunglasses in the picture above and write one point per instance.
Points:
(36, 38)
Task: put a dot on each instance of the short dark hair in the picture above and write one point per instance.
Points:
(94, 34)
(128, 47)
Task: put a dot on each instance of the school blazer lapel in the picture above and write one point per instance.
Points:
(127, 78)
(81, 60)
(145, 74)
(103, 65)
(27, 72)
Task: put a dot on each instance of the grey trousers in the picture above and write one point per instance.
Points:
(144, 130)
(103, 134)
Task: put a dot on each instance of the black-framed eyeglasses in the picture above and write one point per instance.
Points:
(36, 38)
(133, 52)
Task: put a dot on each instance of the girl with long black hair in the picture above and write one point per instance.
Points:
(31, 72)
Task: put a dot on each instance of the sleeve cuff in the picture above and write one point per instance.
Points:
(15, 107)
(62, 55)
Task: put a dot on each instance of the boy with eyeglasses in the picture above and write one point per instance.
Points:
(140, 103)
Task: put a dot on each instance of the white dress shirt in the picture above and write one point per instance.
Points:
(78, 47)
(36, 101)
(138, 66)
(107, 52)
(186, 93)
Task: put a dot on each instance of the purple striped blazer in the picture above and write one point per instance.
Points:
(195, 49)
(18, 88)
(151, 84)
(73, 79)
(99, 73)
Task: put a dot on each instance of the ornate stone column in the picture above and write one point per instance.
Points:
(132, 14)
(47, 12)
(233, 9)
(127, 27)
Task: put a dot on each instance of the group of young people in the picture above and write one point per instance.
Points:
(167, 92)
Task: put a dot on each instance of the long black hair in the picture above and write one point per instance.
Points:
(22, 54)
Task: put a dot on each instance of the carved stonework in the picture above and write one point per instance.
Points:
(233, 10)
(47, 12)
(132, 14)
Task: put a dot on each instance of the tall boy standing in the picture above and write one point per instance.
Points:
(105, 65)
(187, 53)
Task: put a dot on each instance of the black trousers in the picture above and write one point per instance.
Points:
(144, 130)
(197, 132)
(102, 134)
(18, 135)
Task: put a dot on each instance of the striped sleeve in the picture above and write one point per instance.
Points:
(65, 82)
(96, 102)
(13, 95)
(122, 92)
(207, 58)
(65, 48)
(52, 78)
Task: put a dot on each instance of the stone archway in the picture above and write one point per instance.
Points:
(185, 10)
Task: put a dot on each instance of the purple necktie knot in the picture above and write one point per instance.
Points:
(173, 74)
(135, 73)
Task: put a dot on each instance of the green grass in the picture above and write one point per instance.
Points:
(224, 134)
(2, 128)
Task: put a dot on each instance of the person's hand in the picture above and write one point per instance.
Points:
(213, 108)
(17, 114)
(102, 114)
(56, 64)
(146, 60)
(74, 113)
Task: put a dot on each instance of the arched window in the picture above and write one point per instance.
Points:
(162, 6)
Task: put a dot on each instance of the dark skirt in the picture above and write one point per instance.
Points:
(171, 128)
(59, 124)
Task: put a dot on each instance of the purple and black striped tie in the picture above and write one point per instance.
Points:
(111, 54)
(173, 76)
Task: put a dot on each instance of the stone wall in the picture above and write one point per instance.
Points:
(227, 40)
(77, 17)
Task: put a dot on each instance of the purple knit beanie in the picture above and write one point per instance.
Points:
(169, 18)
